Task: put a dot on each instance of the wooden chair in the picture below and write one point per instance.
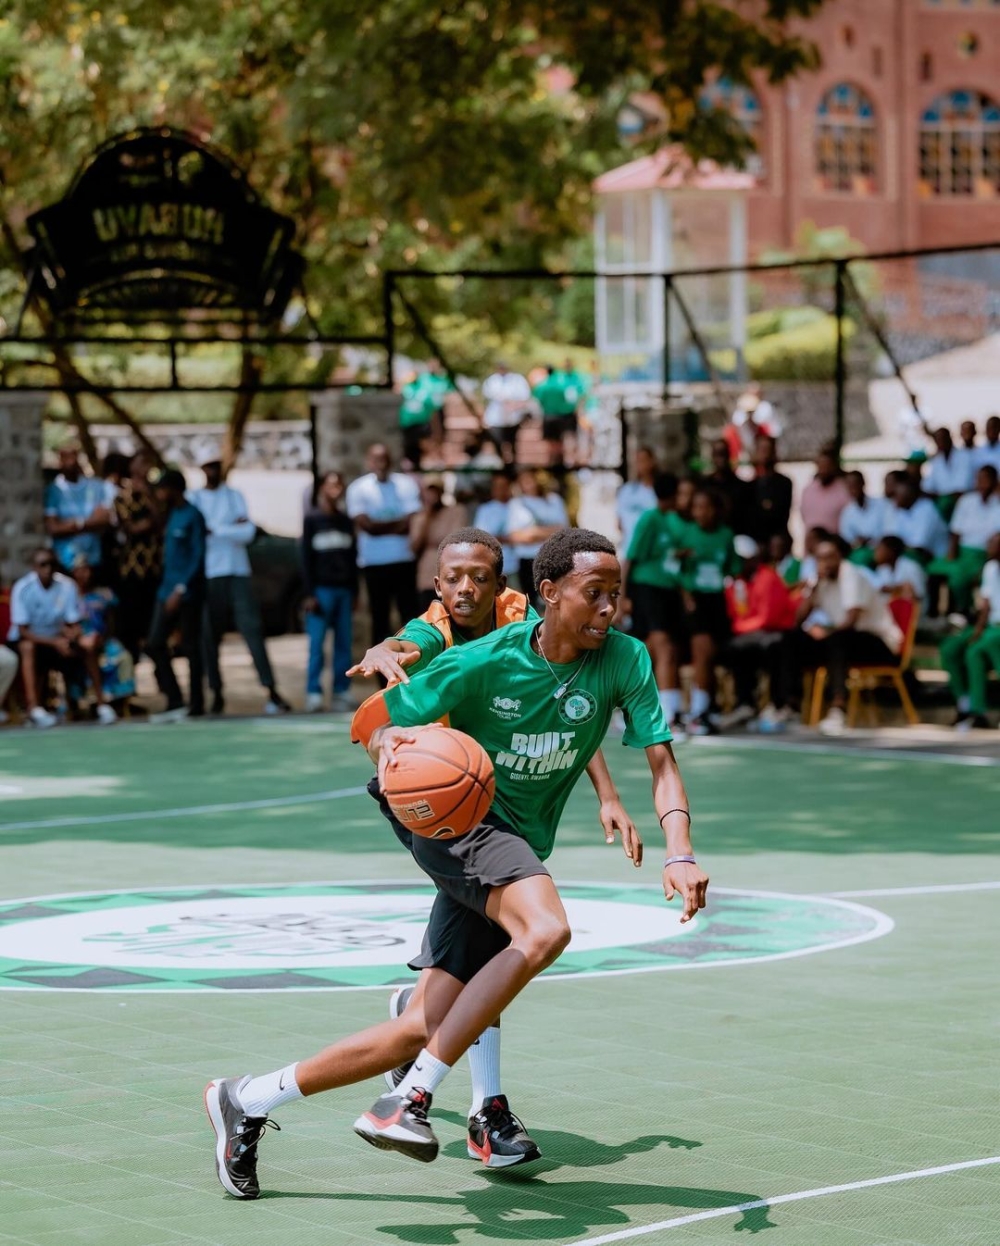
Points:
(861, 679)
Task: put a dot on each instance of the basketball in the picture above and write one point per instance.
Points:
(441, 785)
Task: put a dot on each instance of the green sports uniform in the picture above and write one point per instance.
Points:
(501, 692)
(431, 642)
(652, 552)
(710, 558)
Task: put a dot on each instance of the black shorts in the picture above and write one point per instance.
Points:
(710, 617)
(555, 427)
(460, 938)
(656, 610)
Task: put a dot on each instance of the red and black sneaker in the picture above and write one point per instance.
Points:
(399, 1123)
(497, 1137)
(236, 1137)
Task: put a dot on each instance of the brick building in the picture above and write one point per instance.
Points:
(896, 137)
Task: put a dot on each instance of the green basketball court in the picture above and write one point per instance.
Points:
(816, 1057)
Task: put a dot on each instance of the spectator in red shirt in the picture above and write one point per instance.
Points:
(826, 495)
(761, 610)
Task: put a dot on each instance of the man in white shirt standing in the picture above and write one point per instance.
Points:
(508, 402)
(229, 599)
(382, 505)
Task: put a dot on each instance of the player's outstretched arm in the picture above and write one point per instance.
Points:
(388, 659)
(612, 811)
(681, 874)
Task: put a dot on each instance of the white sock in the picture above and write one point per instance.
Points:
(484, 1064)
(700, 701)
(427, 1072)
(261, 1095)
(670, 702)
(965, 704)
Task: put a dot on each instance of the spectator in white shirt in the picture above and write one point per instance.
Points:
(535, 515)
(975, 519)
(77, 512)
(915, 520)
(949, 474)
(229, 599)
(894, 573)
(508, 403)
(494, 517)
(45, 628)
(861, 520)
(636, 496)
(382, 505)
(988, 455)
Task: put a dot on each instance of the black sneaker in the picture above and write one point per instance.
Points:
(218, 704)
(399, 1123)
(236, 1137)
(397, 1002)
(678, 730)
(498, 1138)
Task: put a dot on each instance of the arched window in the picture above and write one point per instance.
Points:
(846, 141)
(960, 146)
(744, 107)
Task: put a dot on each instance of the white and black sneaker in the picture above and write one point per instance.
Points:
(497, 1137)
(236, 1136)
(397, 1002)
(399, 1123)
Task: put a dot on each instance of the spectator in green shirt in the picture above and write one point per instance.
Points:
(421, 417)
(558, 397)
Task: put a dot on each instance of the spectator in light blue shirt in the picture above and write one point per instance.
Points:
(76, 512)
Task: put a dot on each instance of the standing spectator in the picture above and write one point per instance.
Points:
(915, 520)
(97, 628)
(968, 655)
(558, 396)
(140, 554)
(826, 496)
(382, 505)
(753, 417)
(421, 417)
(636, 496)
(77, 512)
(45, 624)
(493, 517)
(860, 521)
(950, 473)
(508, 402)
(772, 492)
(975, 519)
(895, 574)
(708, 557)
(535, 515)
(330, 584)
(988, 454)
(430, 526)
(8, 656)
(229, 599)
(180, 599)
(735, 493)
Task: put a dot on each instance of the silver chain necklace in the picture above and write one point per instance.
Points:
(562, 685)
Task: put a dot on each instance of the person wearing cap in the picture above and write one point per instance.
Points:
(229, 599)
(180, 599)
(77, 512)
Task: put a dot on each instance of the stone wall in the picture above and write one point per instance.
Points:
(276, 445)
(21, 529)
(346, 424)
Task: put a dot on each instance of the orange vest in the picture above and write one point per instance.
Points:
(511, 607)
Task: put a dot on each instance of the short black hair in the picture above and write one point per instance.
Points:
(475, 536)
(665, 486)
(834, 539)
(555, 558)
(990, 471)
(893, 543)
(172, 479)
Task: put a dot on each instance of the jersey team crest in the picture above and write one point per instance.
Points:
(578, 706)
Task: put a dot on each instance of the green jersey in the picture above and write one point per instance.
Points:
(501, 692)
(422, 397)
(431, 642)
(653, 551)
(709, 560)
(553, 396)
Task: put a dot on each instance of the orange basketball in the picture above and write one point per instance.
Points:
(441, 785)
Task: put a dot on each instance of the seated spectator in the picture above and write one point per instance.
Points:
(988, 454)
(780, 555)
(707, 558)
(330, 585)
(8, 657)
(849, 622)
(772, 492)
(431, 524)
(652, 572)
(975, 519)
(949, 473)
(97, 626)
(508, 403)
(537, 513)
(736, 494)
(77, 512)
(967, 446)
(916, 521)
(761, 609)
(808, 570)
(895, 574)
(968, 655)
(493, 516)
(860, 521)
(45, 625)
(826, 495)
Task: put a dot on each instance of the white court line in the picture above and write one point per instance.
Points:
(718, 1212)
(864, 754)
(933, 889)
(144, 815)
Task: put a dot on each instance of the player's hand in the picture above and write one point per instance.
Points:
(615, 819)
(689, 882)
(390, 740)
(380, 660)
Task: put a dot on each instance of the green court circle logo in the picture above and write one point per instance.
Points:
(359, 935)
